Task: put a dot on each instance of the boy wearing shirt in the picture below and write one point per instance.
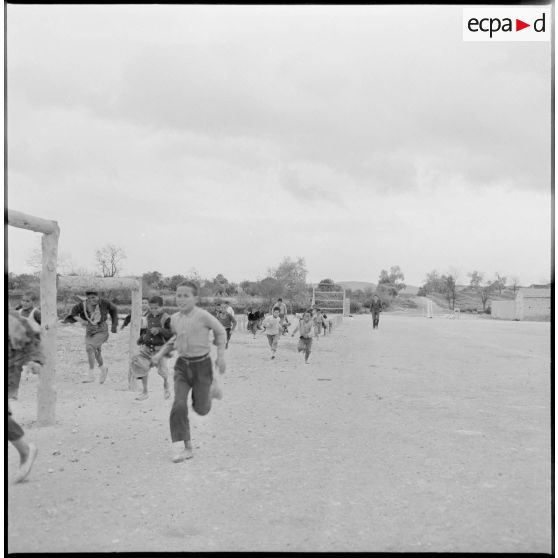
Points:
(193, 369)
(273, 327)
(306, 327)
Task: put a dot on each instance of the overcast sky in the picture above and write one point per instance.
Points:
(224, 138)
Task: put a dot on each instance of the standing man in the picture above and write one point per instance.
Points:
(92, 313)
(375, 309)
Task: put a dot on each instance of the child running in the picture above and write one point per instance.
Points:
(24, 346)
(144, 311)
(92, 313)
(228, 321)
(272, 327)
(155, 334)
(317, 320)
(252, 318)
(193, 369)
(306, 327)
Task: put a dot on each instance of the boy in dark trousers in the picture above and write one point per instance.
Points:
(193, 369)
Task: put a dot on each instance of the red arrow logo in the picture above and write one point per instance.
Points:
(519, 25)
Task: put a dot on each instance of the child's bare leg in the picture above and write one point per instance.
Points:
(144, 394)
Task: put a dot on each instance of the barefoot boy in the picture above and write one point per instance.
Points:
(306, 327)
(155, 334)
(193, 369)
(273, 327)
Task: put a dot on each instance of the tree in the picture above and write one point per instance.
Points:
(291, 274)
(499, 283)
(152, 279)
(220, 285)
(392, 282)
(514, 283)
(432, 284)
(485, 291)
(270, 289)
(476, 279)
(64, 263)
(109, 260)
(449, 283)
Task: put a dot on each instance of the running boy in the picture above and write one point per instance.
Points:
(252, 318)
(317, 320)
(193, 369)
(273, 327)
(306, 327)
(144, 311)
(93, 313)
(228, 321)
(156, 333)
(24, 346)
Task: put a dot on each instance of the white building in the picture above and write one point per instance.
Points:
(529, 304)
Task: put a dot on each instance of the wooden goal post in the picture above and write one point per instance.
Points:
(83, 283)
(46, 394)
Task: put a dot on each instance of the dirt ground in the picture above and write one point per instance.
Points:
(424, 435)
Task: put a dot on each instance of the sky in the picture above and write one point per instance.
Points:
(226, 138)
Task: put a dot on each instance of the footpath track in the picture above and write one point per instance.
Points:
(423, 435)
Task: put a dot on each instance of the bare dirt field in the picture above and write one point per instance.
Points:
(424, 435)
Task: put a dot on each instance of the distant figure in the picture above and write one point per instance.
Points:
(272, 327)
(144, 311)
(24, 346)
(375, 309)
(92, 313)
(252, 318)
(228, 321)
(317, 320)
(282, 309)
(306, 327)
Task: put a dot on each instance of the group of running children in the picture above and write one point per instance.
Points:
(187, 332)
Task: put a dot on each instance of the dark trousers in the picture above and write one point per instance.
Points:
(375, 319)
(228, 330)
(15, 432)
(195, 375)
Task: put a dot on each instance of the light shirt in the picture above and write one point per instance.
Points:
(272, 325)
(192, 332)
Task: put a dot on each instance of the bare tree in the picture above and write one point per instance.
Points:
(499, 283)
(485, 291)
(514, 283)
(109, 259)
(64, 263)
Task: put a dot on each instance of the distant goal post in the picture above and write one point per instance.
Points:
(335, 302)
